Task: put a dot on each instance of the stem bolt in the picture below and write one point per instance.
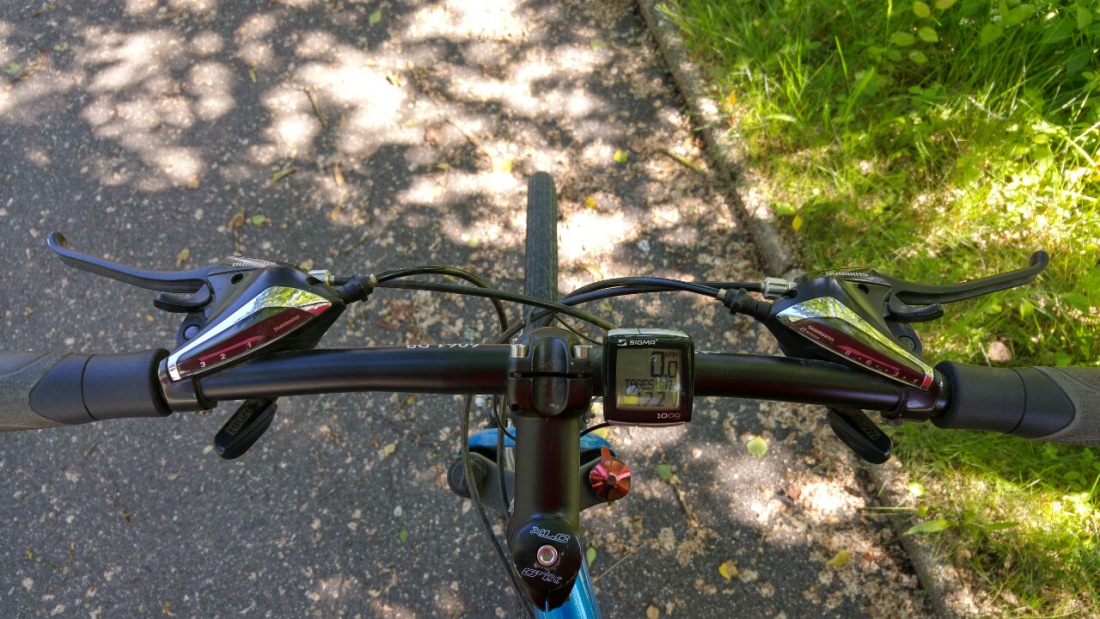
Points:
(547, 556)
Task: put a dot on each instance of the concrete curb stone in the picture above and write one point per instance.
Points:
(724, 153)
(948, 594)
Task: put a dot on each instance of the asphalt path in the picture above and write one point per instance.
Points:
(359, 137)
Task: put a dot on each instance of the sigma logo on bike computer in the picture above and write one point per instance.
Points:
(648, 378)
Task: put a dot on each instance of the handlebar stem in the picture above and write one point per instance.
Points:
(549, 390)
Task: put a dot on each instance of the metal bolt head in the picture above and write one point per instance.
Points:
(519, 351)
(547, 555)
(580, 351)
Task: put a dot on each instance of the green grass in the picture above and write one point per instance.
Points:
(941, 141)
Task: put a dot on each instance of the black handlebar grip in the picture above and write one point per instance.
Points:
(43, 390)
(1044, 403)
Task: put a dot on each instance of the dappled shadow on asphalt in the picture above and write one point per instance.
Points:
(395, 113)
(360, 136)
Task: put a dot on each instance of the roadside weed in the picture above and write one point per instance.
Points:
(940, 142)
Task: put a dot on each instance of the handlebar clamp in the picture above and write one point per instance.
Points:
(549, 373)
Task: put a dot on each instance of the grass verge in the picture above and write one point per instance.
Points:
(940, 141)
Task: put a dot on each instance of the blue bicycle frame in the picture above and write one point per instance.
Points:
(582, 601)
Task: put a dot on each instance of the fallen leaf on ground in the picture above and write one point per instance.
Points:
(998, 352)
(281, 174)
(664, 471)
(757, 447)
(840, 559)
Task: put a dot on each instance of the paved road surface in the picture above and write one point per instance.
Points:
(361, 136)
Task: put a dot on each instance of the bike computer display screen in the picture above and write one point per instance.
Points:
(648, 376)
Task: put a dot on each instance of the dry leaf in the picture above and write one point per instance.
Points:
(433, 135)
(183, 256)
(999, 352)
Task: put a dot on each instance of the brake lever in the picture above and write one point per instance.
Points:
(190, 281)
(235, 308)
(912, 302)
(911, 293)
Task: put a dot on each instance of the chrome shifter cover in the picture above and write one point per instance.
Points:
(270, 316)
(836, 328)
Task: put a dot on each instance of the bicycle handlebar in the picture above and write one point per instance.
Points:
(41, 390)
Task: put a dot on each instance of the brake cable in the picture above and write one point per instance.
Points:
(504, 296)
(475, 496)
(436, 269)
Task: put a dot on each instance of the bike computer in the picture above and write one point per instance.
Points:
(648, 378)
